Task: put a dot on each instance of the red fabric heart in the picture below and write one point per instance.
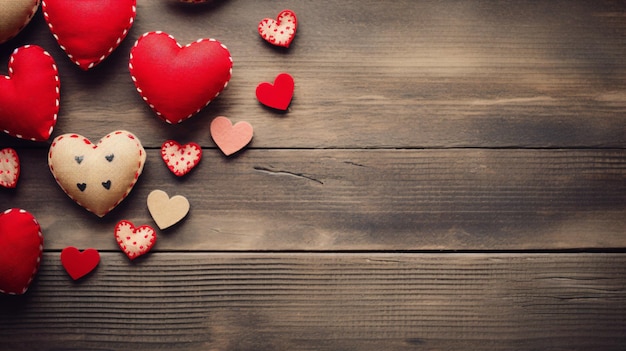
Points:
(178, 81)
(228, 137)
(21, 247)
(180, 159)
(29, 95)
(9, 168)
(78, 264)
(279, 94)
(89, 30)
(134, 241)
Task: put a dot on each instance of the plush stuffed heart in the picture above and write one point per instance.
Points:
(134, 241)
(21, 247)
(228, 137)
(89, 30)
(167, 211)
(9, 168)
(78, 264)
(97, 176)
(14, 16)
(279, 32)
(29, 95)
(178, 81)
(180, 159)
(277, 95)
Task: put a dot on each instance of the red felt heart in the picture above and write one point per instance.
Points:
(9, 168)
(89, 30)
(78, 264)
(21, 247)
(134, 241)
(178, 81)
(228, 137)
(277, 95)
(180, 159)
(29, 95)
(279, 32)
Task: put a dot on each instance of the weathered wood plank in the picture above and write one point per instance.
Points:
(324, 302)
(469, 199)
(382, 74)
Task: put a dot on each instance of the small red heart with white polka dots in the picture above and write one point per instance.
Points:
(134, 241)
(9, 168)
(180, 159)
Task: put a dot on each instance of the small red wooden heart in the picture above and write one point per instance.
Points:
(9, 168)
(180, 159)
(134, 241)
(228, 137)
(277, 95)
(279, 32)
(178, 81)
(89, 30)
(21, 248)
(29, 95)
(78, 264)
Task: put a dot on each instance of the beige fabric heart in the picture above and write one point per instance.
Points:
(167, 211)
(14, 16)
(97, 176)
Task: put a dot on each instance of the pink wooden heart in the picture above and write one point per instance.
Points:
(228, 137)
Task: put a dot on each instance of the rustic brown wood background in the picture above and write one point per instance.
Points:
(451, 175)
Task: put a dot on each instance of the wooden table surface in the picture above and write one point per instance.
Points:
(450, 175)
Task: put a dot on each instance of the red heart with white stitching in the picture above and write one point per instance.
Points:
(134, 241)
(14, 16)
(78, 264)
(281, 31)
(89, 30)
(180, 159)
(29, 95)
(178, 81)
(9, 168)
(21, 247)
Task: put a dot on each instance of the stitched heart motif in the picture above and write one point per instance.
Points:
(9, 168)
(29, 95)
(89, 30)
(78, 264)
(14, 16)
(279, 32)
(21, 247)
(277, 95)
(180, 159)
(167, 211)
(97, 176)
(178, 81)
(134, 241)
(228, 137)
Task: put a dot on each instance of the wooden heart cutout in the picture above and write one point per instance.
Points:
(97, 176)
(9, 168)
(29, 95)
(78, 264)
(178, 81)
(21, 248)
(228, 137)
(277, 95)
(180, 159)
(14, 16)
(89, 30)
(167, 211)
(281, 31)
(134, 241)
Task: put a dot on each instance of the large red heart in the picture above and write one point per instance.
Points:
(178, 81)
(21, 247)
(277, 95)
(89, 30)
(78, 264)
(29, 95)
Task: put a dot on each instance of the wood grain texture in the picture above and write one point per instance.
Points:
(324, 302)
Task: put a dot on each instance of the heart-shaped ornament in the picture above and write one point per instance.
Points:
(97, 176)
(134, 241)
(228, 137)
(277, 95)
(167, 211)
(180, 159)
(279, 31)
(9, 168)
(29, 95)
(178, 81)
(21, 247)
(89, 30)
(78, 264)
(14, 16)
